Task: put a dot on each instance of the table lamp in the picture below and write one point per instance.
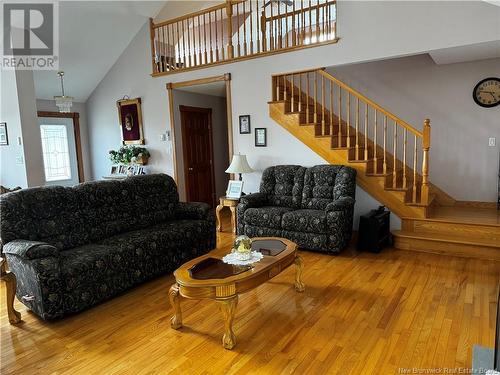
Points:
(239, 165)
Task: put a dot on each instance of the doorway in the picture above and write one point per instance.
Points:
(61, 148)
(200, 116)
(197, 145)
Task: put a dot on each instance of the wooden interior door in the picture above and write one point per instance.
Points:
(197, 146)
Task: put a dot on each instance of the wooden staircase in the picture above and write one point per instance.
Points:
(391, 158)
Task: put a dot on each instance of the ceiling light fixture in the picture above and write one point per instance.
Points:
(63, 102)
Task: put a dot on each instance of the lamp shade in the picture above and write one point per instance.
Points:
(239, 164)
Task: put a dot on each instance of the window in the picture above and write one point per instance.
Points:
(55, 152)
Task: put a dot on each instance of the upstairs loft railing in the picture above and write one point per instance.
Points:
(390, 146)
(240, 29)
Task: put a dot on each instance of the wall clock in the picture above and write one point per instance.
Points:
(487, 92)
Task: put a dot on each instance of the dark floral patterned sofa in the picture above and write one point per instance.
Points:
(313, 207)
(73, 247)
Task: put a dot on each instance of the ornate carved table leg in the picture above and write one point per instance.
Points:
(10, 288)
(233, 218)
(299, 284)
(217, 215)
(176, 320)
(228, 308)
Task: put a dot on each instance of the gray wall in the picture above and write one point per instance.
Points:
(415, 88)
(12, 167)
(50, 105)
(219, 123)
(368, 31)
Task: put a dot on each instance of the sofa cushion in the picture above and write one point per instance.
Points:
(267, 216)
(96, 272)
(325, 183)
(67, 217)
(310, 221)
(283, 185)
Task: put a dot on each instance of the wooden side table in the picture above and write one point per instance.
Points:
(226, 202)
(10, 289)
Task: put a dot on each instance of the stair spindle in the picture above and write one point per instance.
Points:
(210, 36)
(285, 88)
(292, 31)
(384, 171)
(310, 23)
(238, 27)
(293, 97)
(307, 98)
(200, 54)
(315, 102)
(205, 44)
(245, 48)
(216, 24)
(300, 92)
(286, 26)
(357, 128)
(415, 160)
(331, 111)
(348, 119)
(339, 107)
(222, 49)
(317, 22)
(303, 28)
(257, 28)
(375, 144)
(366, 131)
(405, 141)
(323, 123)
(395, 151)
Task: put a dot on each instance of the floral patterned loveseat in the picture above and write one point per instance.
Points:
(313, 207)
(73, 247)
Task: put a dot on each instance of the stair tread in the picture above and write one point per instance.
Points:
(440, 237)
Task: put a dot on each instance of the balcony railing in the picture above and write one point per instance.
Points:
(238, 30)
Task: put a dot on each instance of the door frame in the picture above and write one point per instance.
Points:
(76, 130)
(229, 113)
(186, 108)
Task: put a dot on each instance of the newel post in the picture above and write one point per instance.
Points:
(229, 13)
(426, 145)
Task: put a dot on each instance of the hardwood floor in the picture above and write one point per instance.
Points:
(360, 314)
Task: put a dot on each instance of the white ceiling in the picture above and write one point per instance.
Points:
(93, 35)
(212, 89)
(472, 52)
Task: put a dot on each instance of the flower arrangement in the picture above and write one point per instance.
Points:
(130, 154)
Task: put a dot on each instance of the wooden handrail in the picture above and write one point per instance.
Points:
(297, 72)
(300, 11)
(403, 123)
(201, 12)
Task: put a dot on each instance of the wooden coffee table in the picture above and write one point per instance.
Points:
(207, 277)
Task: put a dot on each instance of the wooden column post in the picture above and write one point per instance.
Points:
(152, 36)
(426, 145)
(229, 13)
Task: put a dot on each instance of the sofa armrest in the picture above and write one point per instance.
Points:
(193, 210)
(254, 200)
(341, 204)
(30, 249)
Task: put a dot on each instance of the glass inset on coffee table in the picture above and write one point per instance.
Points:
(207, 277)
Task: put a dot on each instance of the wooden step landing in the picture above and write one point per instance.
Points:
(459, 231)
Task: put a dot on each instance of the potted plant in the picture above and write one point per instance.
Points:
(130, 154)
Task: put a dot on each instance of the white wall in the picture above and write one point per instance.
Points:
(219, 126)
(368, 31)
(50, 105)
(12, 168)
(415, 88)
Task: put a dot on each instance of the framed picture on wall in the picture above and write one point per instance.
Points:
(260, 137)
(245, 124)
(130, 117)
(4, 138)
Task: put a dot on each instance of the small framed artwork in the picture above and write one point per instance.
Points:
(245, 124)
(234, 189)
(260, 137)
(4, 138)
(130, 116)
